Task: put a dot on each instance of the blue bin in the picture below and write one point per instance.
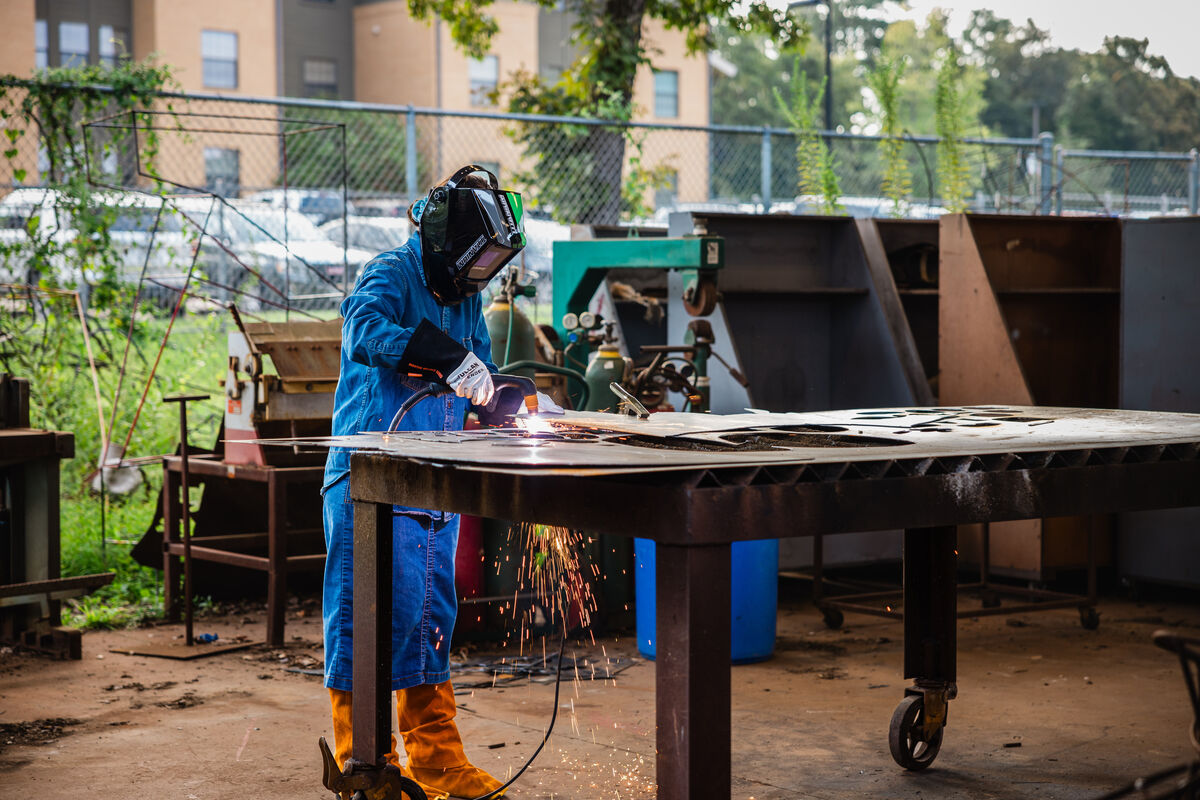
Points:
(754, 586)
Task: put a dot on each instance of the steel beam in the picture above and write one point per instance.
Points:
(692, 681)
(372, 646)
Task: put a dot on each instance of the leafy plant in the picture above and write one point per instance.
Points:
(815, 165)
(44, 115)
(884, 81)
(579, 171)
(953, 171)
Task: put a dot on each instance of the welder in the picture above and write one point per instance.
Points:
(415, 316)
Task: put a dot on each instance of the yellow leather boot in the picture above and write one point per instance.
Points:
(343, 732)
(434, 747)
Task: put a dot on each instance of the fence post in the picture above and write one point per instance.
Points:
(1194, 183)
(765, 167)
(1046, 166)
(1060, 176)
(410, 154)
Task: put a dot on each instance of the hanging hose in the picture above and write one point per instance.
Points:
(557, 370)
(432, 390)
(562, 644)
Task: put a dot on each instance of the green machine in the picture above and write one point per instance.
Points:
(580, 267)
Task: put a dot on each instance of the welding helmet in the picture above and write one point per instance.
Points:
(468, 234)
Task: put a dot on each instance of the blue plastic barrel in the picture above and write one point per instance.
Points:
(754, 573)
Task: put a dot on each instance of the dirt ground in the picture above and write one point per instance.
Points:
(1046, 709)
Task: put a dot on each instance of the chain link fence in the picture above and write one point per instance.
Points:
(314, 161)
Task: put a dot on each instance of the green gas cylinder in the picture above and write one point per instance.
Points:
(502, 319)
(606, 366)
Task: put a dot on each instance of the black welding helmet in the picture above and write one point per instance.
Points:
(468, 234)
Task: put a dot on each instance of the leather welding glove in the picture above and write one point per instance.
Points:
(434, 356)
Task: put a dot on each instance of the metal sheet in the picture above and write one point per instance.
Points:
(607, 443)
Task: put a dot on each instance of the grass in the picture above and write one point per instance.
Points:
(48, 349)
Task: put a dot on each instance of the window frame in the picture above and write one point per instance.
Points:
(205, 60)
(41, 44)
(312, 89)
(660, 95)
(477, 95)
(63, 52)
(211, 155)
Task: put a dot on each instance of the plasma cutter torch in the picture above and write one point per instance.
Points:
(502, 400)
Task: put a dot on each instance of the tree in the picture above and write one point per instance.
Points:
(1125, 98)
(953, 171)
(1023, 73)
(599, 82)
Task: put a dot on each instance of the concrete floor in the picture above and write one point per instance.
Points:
(1046, 709)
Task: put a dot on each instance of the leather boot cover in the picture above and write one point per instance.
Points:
(343, 739)
(435, 750)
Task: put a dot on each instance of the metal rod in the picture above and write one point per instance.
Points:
(185, 511)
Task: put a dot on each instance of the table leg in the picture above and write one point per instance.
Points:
(171, 565)
(277, 555)
(693, 672)
(370, 710)
(930, 658)
(930, 603)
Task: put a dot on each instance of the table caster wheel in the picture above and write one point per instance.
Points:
(833, 618)
(907, 740)
(1089, 618)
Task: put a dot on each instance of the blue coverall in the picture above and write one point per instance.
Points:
(389, 300)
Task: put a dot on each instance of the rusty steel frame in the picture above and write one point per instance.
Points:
(694, 514)
(276, 563)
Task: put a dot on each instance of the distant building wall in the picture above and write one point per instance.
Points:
(318, 36)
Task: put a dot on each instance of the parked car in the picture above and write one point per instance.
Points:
(142, 237)
(288, 251)
(376, 234)
(319, 205)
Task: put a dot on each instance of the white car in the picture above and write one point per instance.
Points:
(374, 234)
(319, 205)
(285, 249)
(144, 239)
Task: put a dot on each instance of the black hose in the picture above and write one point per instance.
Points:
(432, 390)
(557, 370)
(562, 644)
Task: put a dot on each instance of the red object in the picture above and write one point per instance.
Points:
(468, 572)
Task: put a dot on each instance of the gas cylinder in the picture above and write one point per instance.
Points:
(606, 366)
(524, 341)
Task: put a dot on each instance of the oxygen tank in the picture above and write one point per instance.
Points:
(524, 341)
(606, 366)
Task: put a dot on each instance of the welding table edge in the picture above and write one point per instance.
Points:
(670, 511)
(691, 523)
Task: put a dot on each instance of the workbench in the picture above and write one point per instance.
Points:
(696, 483)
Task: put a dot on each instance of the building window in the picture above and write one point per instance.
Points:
(484, 74)
(320, 77)
(41, 38)
(220, 52)
(113, 45)
(73, 44)
(221, 173)
(666, 93)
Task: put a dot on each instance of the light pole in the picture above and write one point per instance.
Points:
(828, 53)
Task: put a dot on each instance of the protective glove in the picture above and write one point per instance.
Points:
(433, 356)
(545, 406)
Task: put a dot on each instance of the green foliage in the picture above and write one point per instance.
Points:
(47, 112)
(42, 340)
(572, 161)
(953, 170)
(884, 81)
(815, 168)
(375, 151)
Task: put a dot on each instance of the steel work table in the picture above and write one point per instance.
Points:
(690, 483)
